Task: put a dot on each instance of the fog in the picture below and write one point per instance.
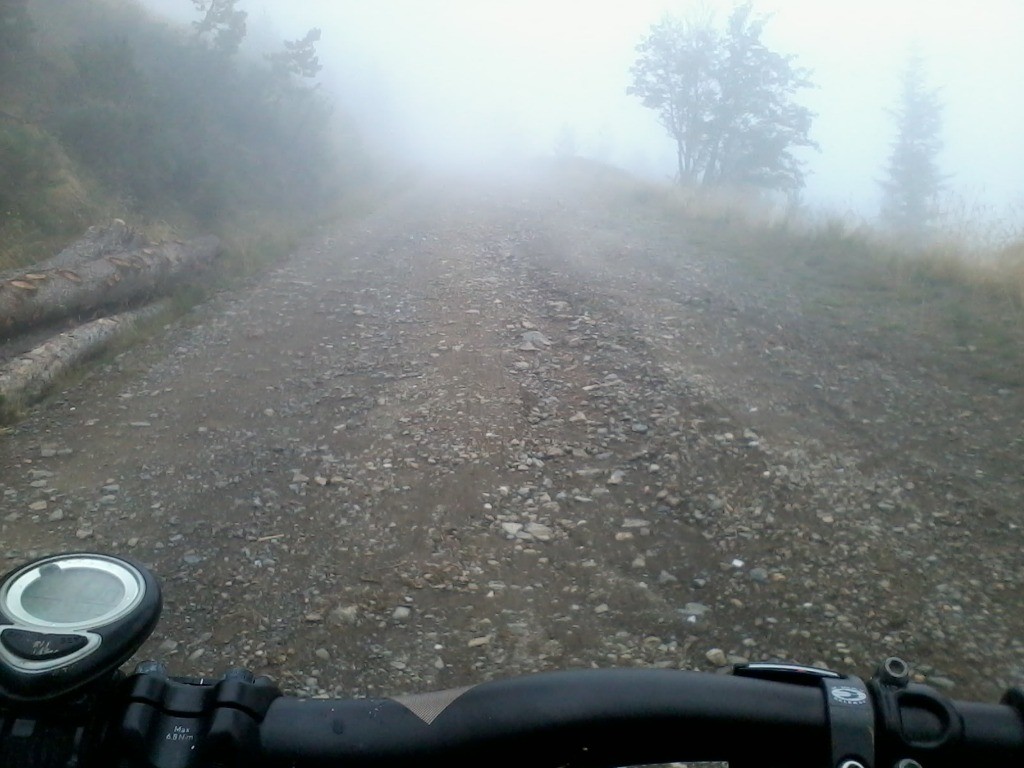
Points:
(470, 84)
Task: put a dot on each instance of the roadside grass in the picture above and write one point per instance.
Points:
(44, 200)
(954, 297)
(24, 242)
(963, 301)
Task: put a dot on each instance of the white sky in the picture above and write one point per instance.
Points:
(465, 81)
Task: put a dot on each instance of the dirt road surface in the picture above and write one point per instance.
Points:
(495, 429)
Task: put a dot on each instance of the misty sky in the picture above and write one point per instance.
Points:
(469, 82)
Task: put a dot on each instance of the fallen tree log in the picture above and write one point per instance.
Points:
(96, 242)
(40, 296)
(30, 376)
(101, 240)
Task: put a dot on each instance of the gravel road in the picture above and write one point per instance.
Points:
(488, 430)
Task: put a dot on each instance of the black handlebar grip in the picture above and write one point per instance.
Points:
(593, 717)
(993, 736)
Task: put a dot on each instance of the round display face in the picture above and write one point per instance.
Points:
(72, 595)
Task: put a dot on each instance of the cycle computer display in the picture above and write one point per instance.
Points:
(69, 620)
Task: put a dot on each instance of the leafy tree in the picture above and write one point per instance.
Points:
(913, 180)
(222, 23)
(674, 75)
(726, 100)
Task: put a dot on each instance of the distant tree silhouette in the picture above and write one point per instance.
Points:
(222, 23)
(913, 180)
(726, 99)
(299, 57)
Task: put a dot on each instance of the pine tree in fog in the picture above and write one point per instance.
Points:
(913, 180)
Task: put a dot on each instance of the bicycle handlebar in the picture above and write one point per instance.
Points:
(593, 717)
(623, 717)
(65, 704)
(761, 715)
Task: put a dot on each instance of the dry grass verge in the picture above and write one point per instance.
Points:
(949, 299)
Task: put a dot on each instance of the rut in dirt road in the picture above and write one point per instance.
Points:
(489, 432)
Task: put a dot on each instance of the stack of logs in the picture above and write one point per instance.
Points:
(102, 286)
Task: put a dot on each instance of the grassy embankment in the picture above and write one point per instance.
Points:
(956, 299)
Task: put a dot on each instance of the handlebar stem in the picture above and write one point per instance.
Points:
(186, 723)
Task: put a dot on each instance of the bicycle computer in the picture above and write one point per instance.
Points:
(69, 620)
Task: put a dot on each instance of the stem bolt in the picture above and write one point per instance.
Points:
(895, 672)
